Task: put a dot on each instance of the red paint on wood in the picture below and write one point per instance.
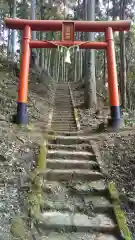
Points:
(55, 44)
(56, 25)
(24, 68)
(112, 70)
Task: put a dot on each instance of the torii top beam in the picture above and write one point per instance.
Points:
(56, 25)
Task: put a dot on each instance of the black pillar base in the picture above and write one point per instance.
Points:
(115, 123)
(22, 115)
(115, 112)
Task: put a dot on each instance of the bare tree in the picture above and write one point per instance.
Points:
(90, 81)
(123, 72)
(13, 39)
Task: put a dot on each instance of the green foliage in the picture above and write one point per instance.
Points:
(120, 216)
(19, 229)
(41, 163)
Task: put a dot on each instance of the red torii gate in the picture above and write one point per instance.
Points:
(68, 29)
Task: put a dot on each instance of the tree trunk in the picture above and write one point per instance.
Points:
(42, 52)
(9, 35)
(34, 58)
(123, 73)
(90, 81)
(13, 32)
(83, 39)
(33, 16)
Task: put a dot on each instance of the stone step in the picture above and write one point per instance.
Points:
(63, 100)
(64, 197)
(77, 155)
(62, 122)
(77, 207)
(70, 140)
(62, 92)
(60, 112)
(66, 117)
(69, 164)
(65, 111)
(63, 97)
(63, 87)
(66, 95)
(82, 188)
(63, 104)
(74, 147)
(60, 129)
(63, 115)
(57, 129)
(77, 222)
(74, 174)
(61, 108)
(97, 188)
(73, 133)
(63, 118)
(67, 133)
(78, 236)
(64, 128)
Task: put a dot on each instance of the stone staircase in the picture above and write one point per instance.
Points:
(77, 201)
(63, 114)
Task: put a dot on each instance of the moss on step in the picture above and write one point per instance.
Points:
(35, 196)
(50, 136)
(19, 228)
(120, 216)
(35, 201)
(76, 114)
(41, 162)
